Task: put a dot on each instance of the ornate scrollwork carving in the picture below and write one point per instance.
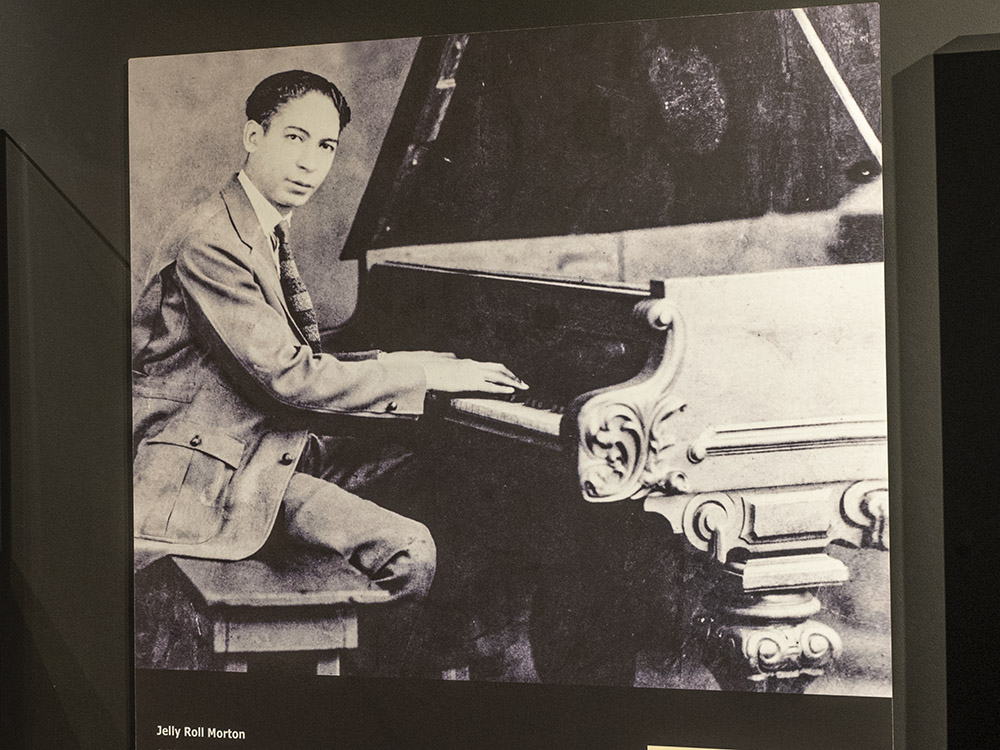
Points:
(712, 523)
(783, 650)
(623, 431)
(657, 470)
(613, 447)
(767, 655)
(865, 506)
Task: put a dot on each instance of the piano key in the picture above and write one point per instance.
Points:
(542, 421)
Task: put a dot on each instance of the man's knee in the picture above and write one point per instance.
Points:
(421, 553)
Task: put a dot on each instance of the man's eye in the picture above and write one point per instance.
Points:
(329, 147)
(293, 137)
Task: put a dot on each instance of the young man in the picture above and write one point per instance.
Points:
(227, 369)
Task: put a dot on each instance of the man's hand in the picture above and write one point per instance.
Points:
(448, 374)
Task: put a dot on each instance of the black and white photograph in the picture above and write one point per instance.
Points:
(550, 356)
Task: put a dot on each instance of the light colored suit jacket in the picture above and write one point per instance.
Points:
(224, 385)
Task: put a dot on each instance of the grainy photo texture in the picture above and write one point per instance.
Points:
(542, 356)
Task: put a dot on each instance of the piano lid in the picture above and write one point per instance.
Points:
(612, 127)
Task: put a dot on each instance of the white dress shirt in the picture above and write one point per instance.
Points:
(268, 216)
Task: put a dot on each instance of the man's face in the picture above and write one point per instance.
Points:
(290, 161)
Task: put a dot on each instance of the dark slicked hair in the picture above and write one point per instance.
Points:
(277, 90)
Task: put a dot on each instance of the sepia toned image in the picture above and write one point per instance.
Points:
(541, 356)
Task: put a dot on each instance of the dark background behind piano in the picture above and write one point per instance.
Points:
(63, 87)
(549, 132)
(609, 128)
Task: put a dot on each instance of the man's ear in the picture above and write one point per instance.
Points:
(253, 131)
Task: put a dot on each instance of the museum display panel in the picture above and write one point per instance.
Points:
(671, 230)
(65, 71)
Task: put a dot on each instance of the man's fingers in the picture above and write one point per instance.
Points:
(423, 355)
(488, 387)
(499, 373)
(450, 375)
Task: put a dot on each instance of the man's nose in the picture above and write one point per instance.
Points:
(309, 159)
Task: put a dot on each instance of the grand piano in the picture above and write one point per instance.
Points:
(692, 286)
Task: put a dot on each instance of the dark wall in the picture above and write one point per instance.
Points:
(66, 520)
(968, 111)
(62, 90)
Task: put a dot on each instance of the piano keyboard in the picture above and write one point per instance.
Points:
(531, 421)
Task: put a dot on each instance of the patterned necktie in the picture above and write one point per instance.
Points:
(298, 299)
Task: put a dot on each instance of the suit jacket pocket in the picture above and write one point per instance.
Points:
(181, 479)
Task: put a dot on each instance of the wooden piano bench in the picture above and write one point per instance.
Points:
(256, 614)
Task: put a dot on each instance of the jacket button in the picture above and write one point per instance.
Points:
(287, 459)
(391, 406)
(196, 441)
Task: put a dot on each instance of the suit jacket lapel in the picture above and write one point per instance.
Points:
(248, 229)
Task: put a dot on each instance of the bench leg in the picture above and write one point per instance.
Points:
(329, 665)
(234, 663)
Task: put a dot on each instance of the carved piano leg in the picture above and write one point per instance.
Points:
(771, 542)
(765, 642)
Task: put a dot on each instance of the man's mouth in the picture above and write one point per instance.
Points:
(302, 185)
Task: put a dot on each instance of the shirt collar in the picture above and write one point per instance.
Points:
(267, 214)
